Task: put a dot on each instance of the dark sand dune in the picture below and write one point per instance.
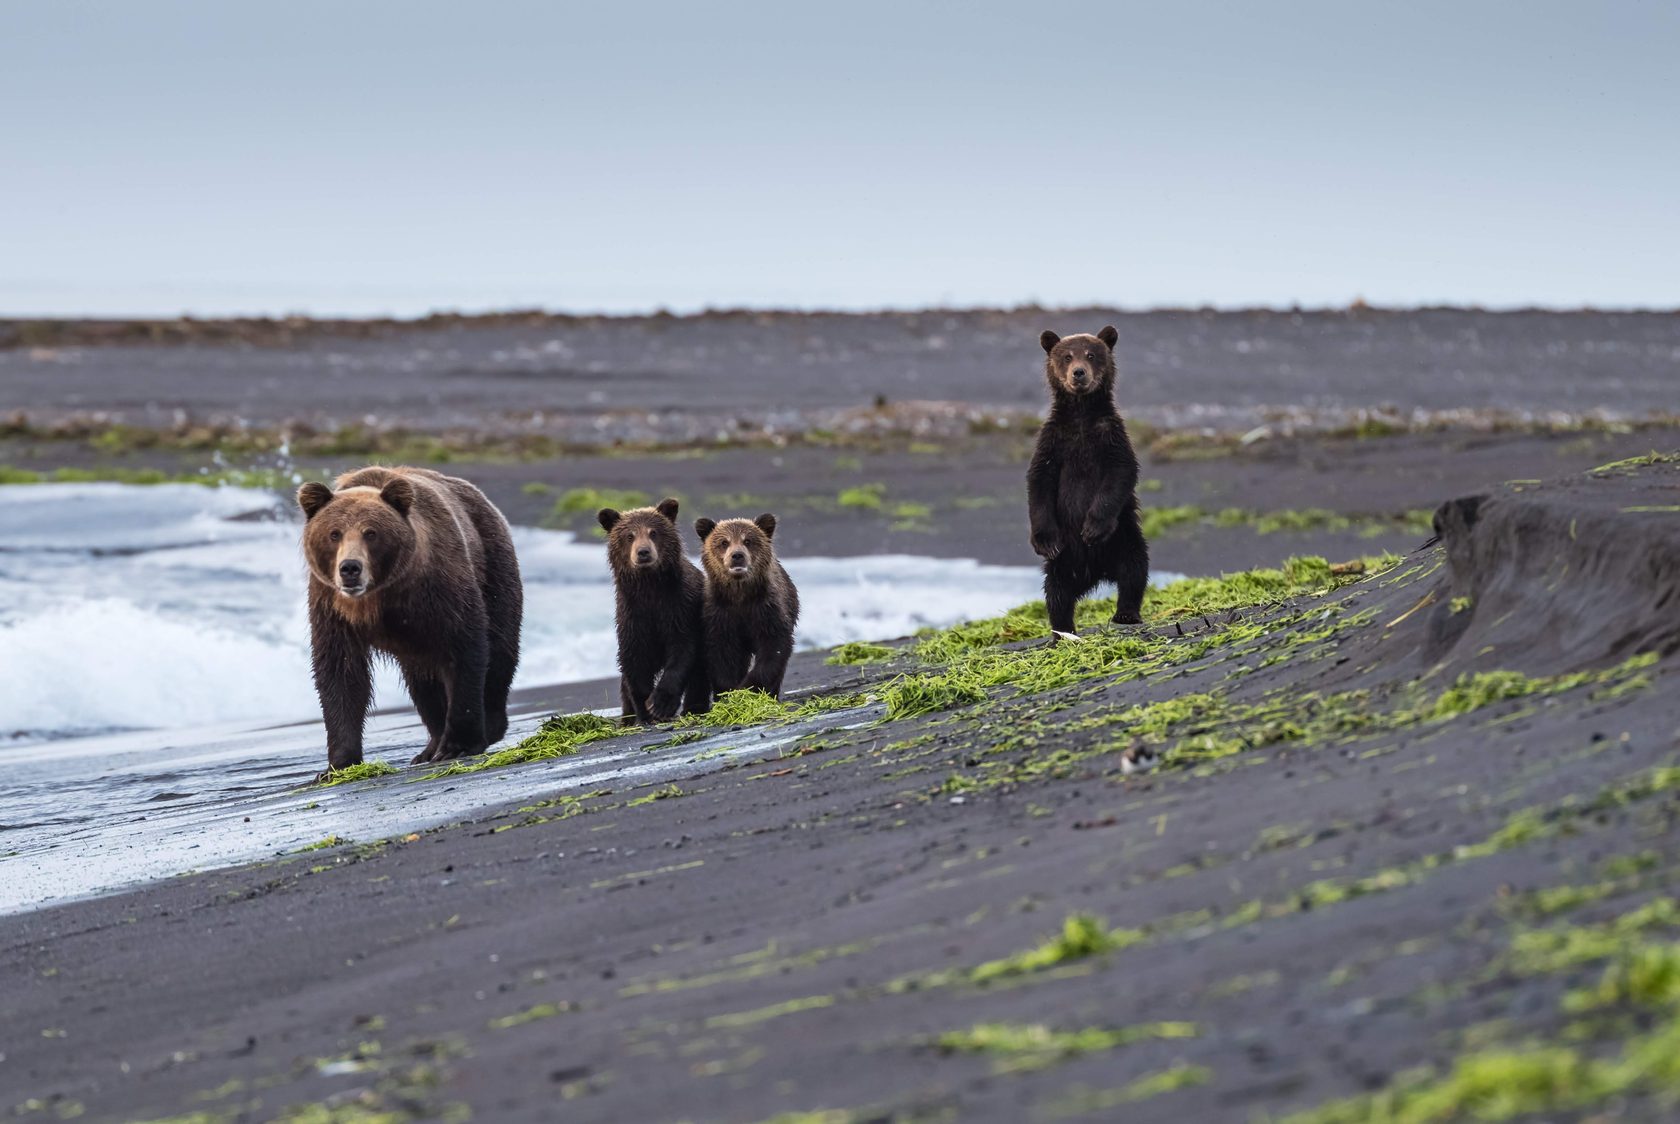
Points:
(1373, 798)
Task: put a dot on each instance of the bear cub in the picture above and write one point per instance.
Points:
(1082, 484)
(418, 566)
(751, 605)
(659, 594)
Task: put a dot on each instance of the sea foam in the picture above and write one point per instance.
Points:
(125, 607)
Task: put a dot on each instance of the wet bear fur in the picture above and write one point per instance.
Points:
(420, 567)
(752, 606)
(659, 593)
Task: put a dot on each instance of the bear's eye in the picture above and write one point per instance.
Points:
(336, 535)
(370, 533)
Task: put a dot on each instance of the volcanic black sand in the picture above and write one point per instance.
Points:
(903, 433)
(1413, 833)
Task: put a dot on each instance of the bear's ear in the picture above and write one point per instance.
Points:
(399, 493)
(608, 518)
(1048, 340)
(668, 508)
(312, 497)
(703, 528)
(1109, 336)
(767, 524)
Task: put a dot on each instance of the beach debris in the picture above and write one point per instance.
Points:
(1138, 758)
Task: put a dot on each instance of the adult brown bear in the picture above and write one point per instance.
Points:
(418, 566)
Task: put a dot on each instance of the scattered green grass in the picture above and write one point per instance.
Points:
(825, 704)
(530, 1015)
(1033, 1045)
(909, 696)
(1540, 951)
(559, 736)
(537, 488)
(1082, 936)
(271, 479)
(746, 707)
(587, 501)
(856, 652)
(1642, 461)
(669, 792)
(322, 844)
(1088, 1102)
(350, 774)
(865, 496)
(1158, 521)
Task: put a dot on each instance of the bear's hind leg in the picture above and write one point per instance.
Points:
(463, 733)
(1129, 560)
(498, 680)
(431, 701)
(1063, 587)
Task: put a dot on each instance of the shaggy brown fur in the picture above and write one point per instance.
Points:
(659, 593)
(751, 605)
(420, 567)
(1082, 484)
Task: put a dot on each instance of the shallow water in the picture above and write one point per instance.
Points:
(157, 713)
(101, 813)
(161, 607)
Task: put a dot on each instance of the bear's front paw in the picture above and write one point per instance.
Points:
(1097, 529)
(1046, 544)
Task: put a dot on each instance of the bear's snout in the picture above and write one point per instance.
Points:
(738, 561)
(1080, 377)
(350, 573)
(645, 555)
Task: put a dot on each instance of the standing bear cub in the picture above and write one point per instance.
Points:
(1082, 484)
(420, 567)
(751, 605)
(659, 594)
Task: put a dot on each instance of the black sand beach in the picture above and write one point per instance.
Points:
(1412, 835)
(1318, 893)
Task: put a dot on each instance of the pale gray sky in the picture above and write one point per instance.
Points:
(365, 157)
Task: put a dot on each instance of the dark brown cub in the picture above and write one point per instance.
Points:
(1082, 484)
(659, 593)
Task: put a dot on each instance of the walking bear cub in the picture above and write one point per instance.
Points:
(659, 593)
(1082, 484)
(751, 605)
(418, 566)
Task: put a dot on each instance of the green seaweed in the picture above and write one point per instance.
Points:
(1026, 1046)
(587, 501)
(559, 736)
(865, 496)
(1081, 936)
(858, 652)
(745, 707)
(910, 696)
(322, 844)
(350, 774)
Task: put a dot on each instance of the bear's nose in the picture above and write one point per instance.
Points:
(350, 571)
(739, 558)
(644, 554)
(1080, 374)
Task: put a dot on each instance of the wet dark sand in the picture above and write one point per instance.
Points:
(771, 941)
(792, 935)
